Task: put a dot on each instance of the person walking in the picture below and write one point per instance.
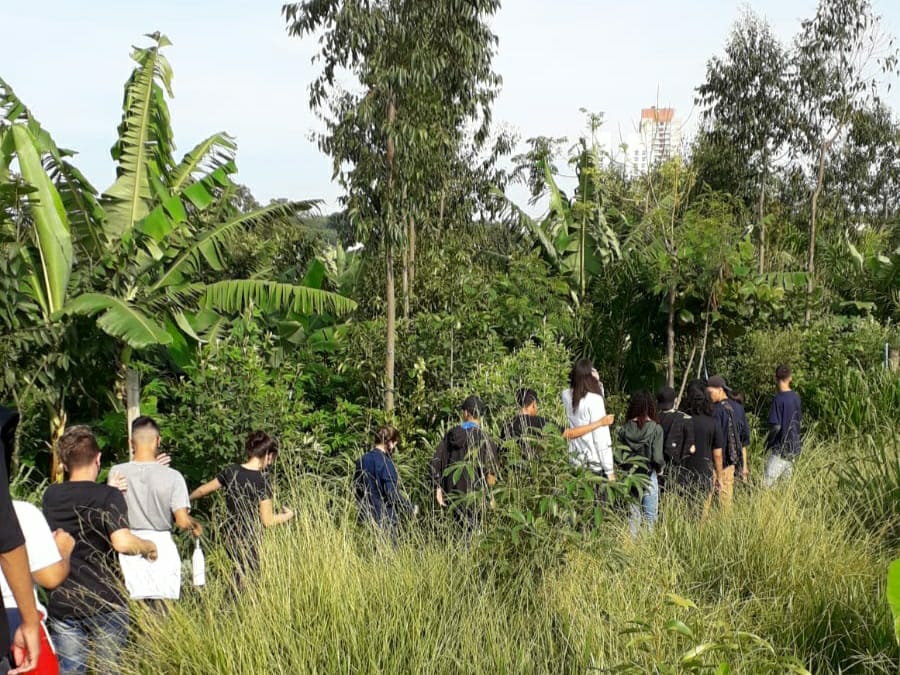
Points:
(678, 434)
(465, 461)
(584, 405)
(526, 425)
(783, 439)
(248, 502)
(88, 611)
(377, 484)
(643, 436)
(694, 476)
(156, 496)
(732, 461)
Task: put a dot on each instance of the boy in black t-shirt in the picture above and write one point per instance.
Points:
(783, 440)
(527, 424)
(89, 611)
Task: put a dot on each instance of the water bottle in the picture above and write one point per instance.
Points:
(199, 565)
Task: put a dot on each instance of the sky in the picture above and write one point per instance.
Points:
(237, 70)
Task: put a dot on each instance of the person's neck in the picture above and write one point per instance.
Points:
(83, 475)
(254, 463)
(784, 386)
(144, 456)
(380, 447)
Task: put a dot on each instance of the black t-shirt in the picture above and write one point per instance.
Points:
(244, 489)
(90, 512)
(10, 538)
(707, 436)
(523, 427)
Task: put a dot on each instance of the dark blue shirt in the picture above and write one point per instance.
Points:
(784, 424)
(377, 491)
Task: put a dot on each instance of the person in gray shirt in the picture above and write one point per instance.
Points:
(156, 496)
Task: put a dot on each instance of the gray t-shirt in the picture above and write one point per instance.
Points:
(154, 493)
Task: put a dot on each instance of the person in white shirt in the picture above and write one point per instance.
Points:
(48, 558)
(584, 405)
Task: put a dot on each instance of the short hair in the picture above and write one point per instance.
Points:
(474, 406)
(782, 372)
(665, 397)
(525, 397)
(144, 422)
(259, 444)
(387, 434)
(77, 447)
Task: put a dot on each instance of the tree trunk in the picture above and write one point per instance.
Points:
(132, 401)
(411, 244)
(404, 281)
(705, 337)
(687, 374)
(391, 310)
(57, 427)
(811, 261)
(670, 341)
(760, 216)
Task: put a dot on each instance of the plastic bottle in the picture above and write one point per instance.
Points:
(199, 565)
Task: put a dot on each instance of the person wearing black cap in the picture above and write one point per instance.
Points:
(527, 424)
(467, 443)
(732, 460)
(678, 432)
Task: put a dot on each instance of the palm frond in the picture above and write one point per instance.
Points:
(121, 320)
(235, 296)
(210, 154)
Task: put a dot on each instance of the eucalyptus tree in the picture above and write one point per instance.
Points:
(839, 57)
(745, 100)
(422, 71)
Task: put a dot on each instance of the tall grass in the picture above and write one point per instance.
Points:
(788, 566)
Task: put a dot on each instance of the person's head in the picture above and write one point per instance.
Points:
(696, 401)
(665, 398)
(783, 376)
(717, 389)
(583, 380)
(736, 395)
(472, 409)
(641, 408)
(527, 401)
(79, 452)
(261, 446)
(387, 438)
(145, 436)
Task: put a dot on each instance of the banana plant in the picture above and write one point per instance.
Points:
(152, 249)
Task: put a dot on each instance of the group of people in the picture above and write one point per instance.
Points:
(96, 546)
(698, 448)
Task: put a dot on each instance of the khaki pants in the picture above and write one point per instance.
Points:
(726, 493)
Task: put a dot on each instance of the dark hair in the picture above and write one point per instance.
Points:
(387, 434)
(144, 422)
(259, 444)
(641, 407)
(782, 372)
(665, 397)
(582, 381)
(78, 447)
(736, 395)
(474, 406)
(525, 397)
(696, 401)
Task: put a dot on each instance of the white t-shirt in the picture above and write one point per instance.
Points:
(39, 543)
(593, 451)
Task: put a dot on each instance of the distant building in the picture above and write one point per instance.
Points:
(657, 139)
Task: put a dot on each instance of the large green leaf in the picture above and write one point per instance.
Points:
(52, 236)
(236, 296)
(121, 320)
(210, 154)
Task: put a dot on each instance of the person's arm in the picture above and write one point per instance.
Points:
(124, 541)
(437, 467)
(602, 451)
(27, 639)
(184, 521)
(206, 489)
(583, 430)
(269, 517)
(656, 449)
(718, 466)
(53, 575)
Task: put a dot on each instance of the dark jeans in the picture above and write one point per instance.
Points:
(104, 635)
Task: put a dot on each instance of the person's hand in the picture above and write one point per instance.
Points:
(164, 459)
(611, 477)
(491, 480)
(150, 553)
(118, 481)
(608, 420)
(64, 542)
(288, 514)
(745, 474)
(439, 496)
(196, 529)
(26, 646)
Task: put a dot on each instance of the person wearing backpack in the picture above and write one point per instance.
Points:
(643, 436)
(465, 461)
(678, 434)
(731, 462)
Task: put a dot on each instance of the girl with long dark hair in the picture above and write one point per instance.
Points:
(643, 436)
(584, 405)
(695, 476)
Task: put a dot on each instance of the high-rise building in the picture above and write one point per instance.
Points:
(657, 139)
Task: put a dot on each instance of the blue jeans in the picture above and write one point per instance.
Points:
(103, 634)
(648, 509)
